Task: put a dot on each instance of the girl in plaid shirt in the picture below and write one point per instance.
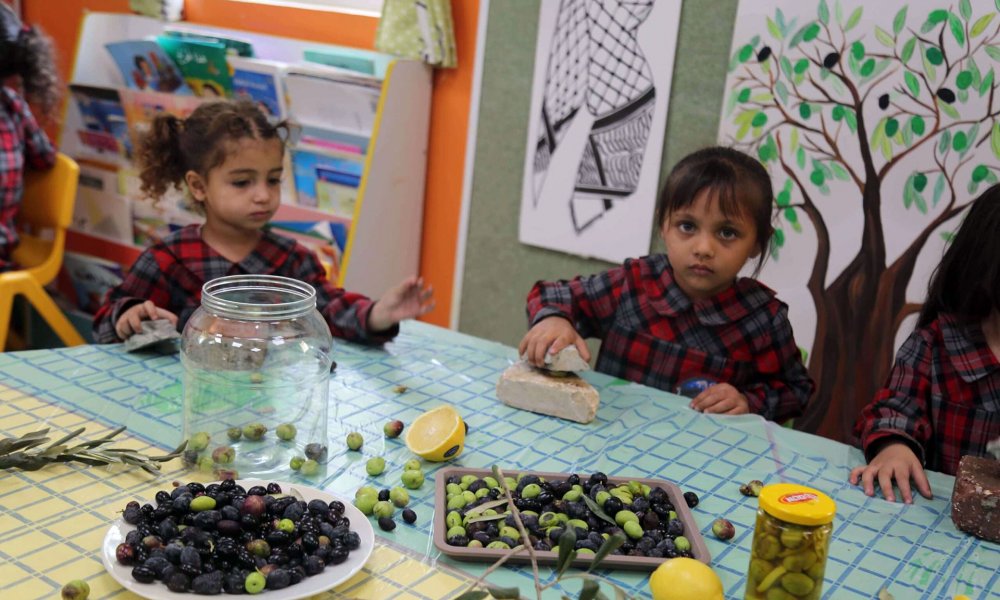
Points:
(942, 398)
(230, 158)
(667, 320)
(26, 61)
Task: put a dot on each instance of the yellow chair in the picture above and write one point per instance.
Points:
(46, 212)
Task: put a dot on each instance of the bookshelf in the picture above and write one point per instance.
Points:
(383, 233)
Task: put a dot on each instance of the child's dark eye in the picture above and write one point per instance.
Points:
(241, 183)
(729, 234)
(686, 227)
(274, 181)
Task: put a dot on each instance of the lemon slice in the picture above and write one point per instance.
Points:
(685, 578)
(437, 435)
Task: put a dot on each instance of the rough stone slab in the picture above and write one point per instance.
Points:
(566, 360)
(159, 335)
(975, 501)
(567, 397)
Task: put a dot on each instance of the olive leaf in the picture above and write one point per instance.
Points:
(488, 518)
(590, 590)
(508, 593)
(598, 512)
(610, 545)
(23, 453)
(472, 512)
(567, 551)
(473, 595)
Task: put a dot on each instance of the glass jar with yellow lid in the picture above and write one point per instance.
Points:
(790, 543)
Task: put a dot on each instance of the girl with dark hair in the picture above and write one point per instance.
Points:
(26, 62)
(684, 321)
(229, 156)
(942, 399)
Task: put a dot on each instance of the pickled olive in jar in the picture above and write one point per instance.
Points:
(790, 543)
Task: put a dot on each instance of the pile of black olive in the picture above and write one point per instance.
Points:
(225, 538)
(645, 515)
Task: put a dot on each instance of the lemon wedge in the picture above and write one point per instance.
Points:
(685, 579)
(437, 435)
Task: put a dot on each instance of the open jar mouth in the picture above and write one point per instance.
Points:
(258, 297)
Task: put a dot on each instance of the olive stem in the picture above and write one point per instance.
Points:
(593, 577)
(513, 551)
(520, 527)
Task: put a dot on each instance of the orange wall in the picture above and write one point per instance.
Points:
(449, 111)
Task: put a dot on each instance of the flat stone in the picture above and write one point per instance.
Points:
(158, 335)
(566, 396)
(975, 501)
(566, 360)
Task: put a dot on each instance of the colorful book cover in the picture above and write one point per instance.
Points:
(325, 182)
(326, 238)
(145, 66)
(92, 278)
(259, 80)
(142, 106)
(203, 65)
(332, 58)
(104, 129)
(332, 99)
(234, 46)
(99, 208)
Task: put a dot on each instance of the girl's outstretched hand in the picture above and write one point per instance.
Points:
(408, 300)
(721, 399)
(131, 320)
(550, 335)
(895, 461)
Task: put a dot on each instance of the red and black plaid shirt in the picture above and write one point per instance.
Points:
(22, 143)
(653, 334)
(172, 272)
(942, 397)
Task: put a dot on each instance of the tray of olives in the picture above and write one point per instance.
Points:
(274, 539)
(474, 522)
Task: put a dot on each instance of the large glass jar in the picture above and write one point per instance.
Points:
(791, 540)
(256, 359)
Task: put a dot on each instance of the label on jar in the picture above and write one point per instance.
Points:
(797, 498)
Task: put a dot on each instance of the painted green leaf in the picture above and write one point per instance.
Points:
(963, 80)
(884, 38)
(839, 171)
(912, 83)
(965, 8)
(957, 28)
(944, 142)
(763, 98)
(973, 186)
(938, 189)
(993, 51)
(917, 124)
(791, 216)
(853, 19)
(929, 69)
(786, 66)
(949, 110)
(920, 203)
(837, 112)
(963, 96)
(759, 120)
(811, 32)
(788, 186)
(782, 90)
(937, 16)
(801, 65)
(805, 111)
(783, 198)
(779, 17)
(800, 158)
(899, 21)
(744, 95)
(824, 12)
(908, 194)
(877, 134)
(948, 236)
(797, 38)
(773, 28)
(851, 120)
(981, 24)
(908, 49)
(971, 136)
(745, 53)
(817, 177)
(868, 68)
(904, 137)
(987, 83)
(919, 181)
(779, 238)
(980, 172)
(838, 12)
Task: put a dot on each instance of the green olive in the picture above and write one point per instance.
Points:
(510, 532)
(456, 530)
(578, 523)
(633, 529)
(572, 495)
(767, 547)
(622, 516)
(456, 502)
(791, 538)
(453, 488)
(498, 545)
(797, 583)
(776, 593)
(453, 518)
(759, 568)
(467, 480)
(799, 561)
(770, 579)
(816, 571)
(601, 498)
(491, 482)
(531, 490)
(548, 519)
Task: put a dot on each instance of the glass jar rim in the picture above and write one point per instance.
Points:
(297, 297)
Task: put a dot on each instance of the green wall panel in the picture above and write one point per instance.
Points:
(499, 270)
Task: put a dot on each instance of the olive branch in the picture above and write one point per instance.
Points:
(591, 589)
(27, 454)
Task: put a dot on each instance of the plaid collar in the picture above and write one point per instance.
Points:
(189, 248)
(728, 306)
(967, 349)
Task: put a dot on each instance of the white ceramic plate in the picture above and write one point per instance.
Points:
(330, 578)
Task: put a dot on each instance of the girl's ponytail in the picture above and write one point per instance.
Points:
(42, 86)
(160, 156)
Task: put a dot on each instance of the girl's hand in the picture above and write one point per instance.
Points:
(130, 323)
(895, 461)
(408, 300)
(550, 335)
(721, 399)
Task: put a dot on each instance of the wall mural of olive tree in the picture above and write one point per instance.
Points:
(878, 123)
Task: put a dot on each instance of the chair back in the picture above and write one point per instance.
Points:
(47, 205)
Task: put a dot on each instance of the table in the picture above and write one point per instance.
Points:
(52, 521)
